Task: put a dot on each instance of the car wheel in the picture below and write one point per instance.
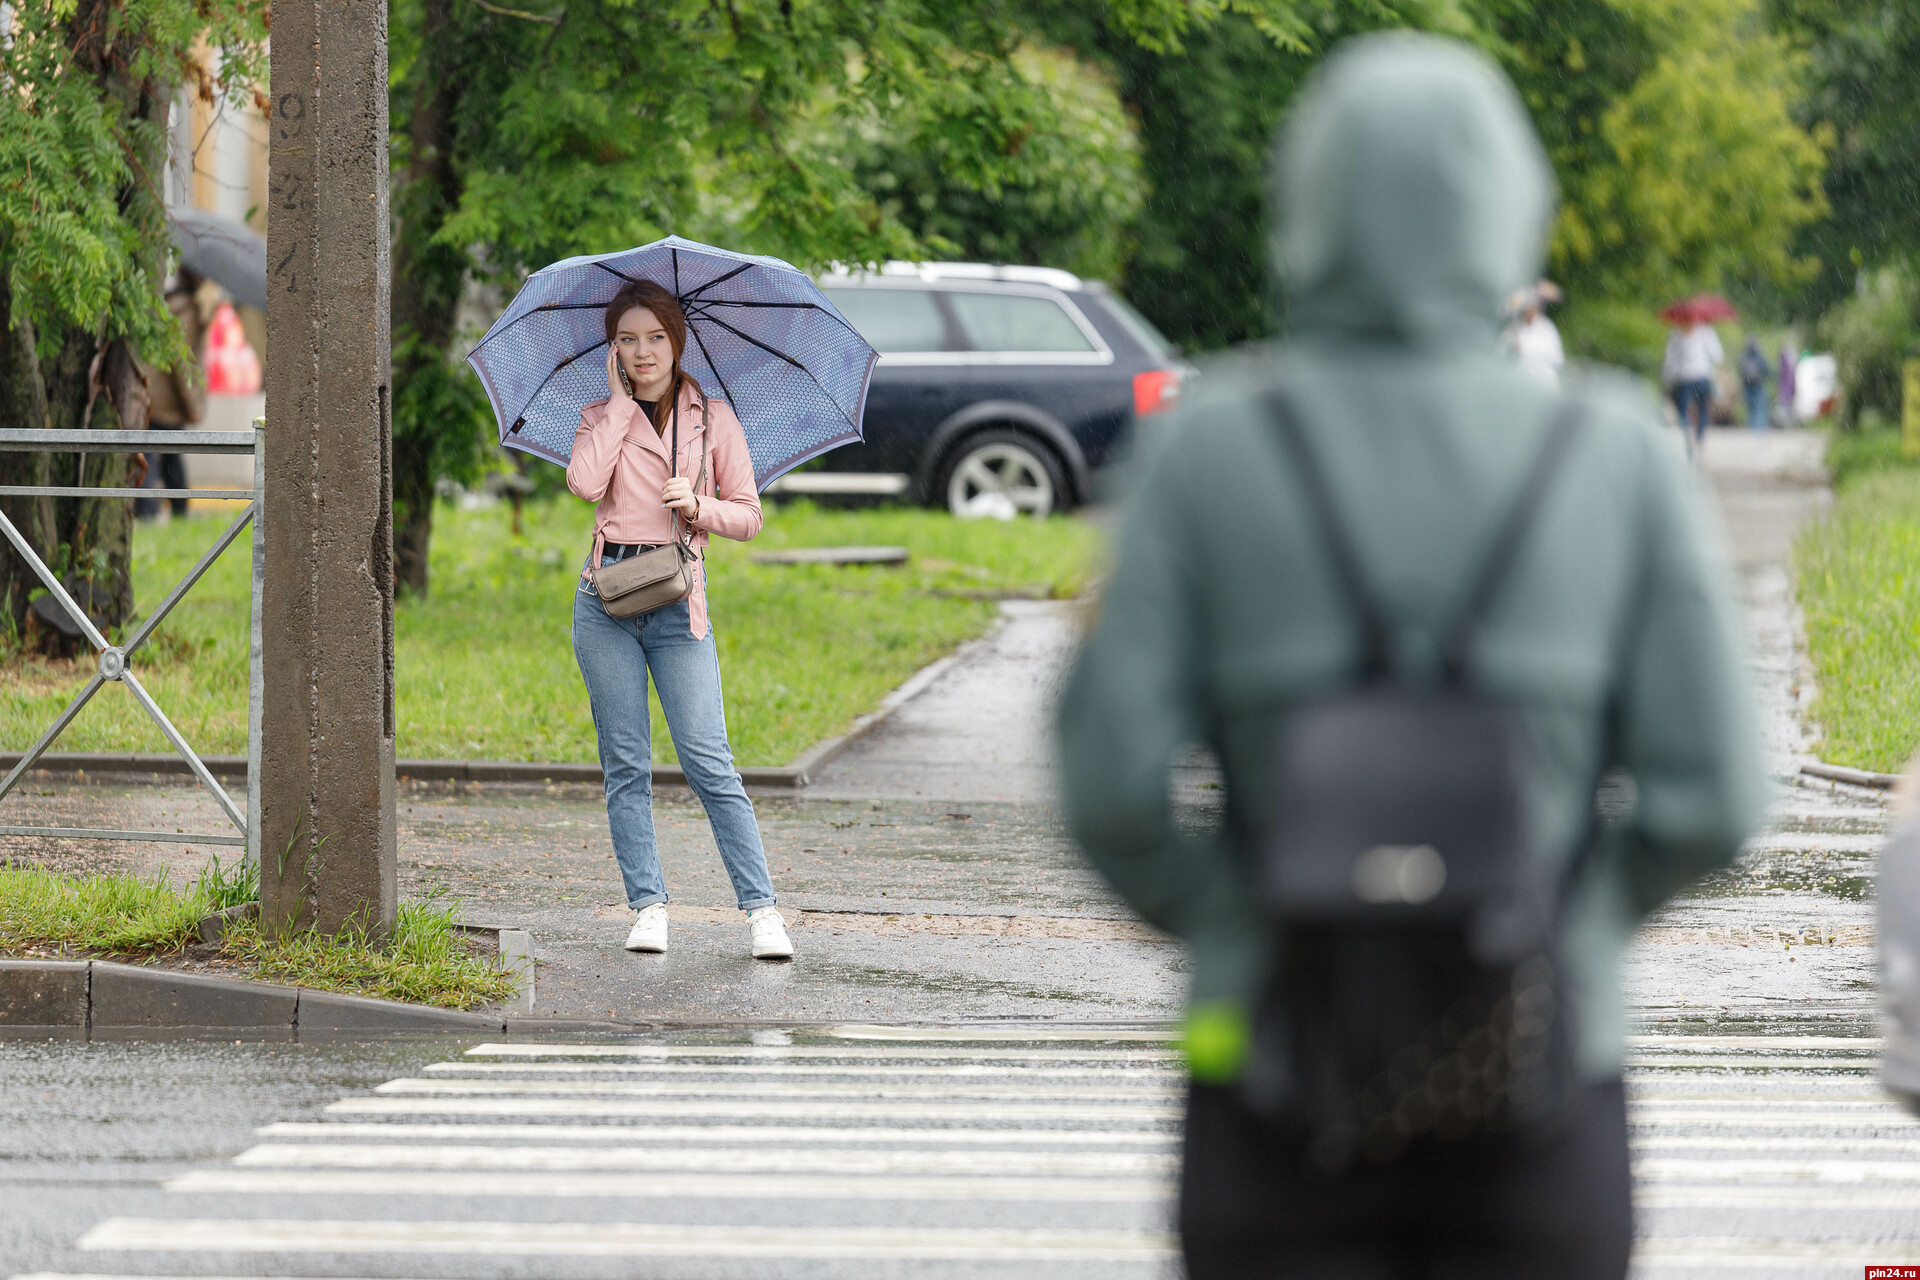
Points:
(1002, 475)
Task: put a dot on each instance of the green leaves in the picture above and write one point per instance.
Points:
(80, 212)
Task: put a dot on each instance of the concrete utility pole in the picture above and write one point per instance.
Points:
(326, 748)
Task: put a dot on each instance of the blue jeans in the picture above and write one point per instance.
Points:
(1757, 406)
(1698, 395)
(615, 656)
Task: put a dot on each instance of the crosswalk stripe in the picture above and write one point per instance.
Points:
(1675, 1169)
(414, 1085)
(597, 1108)
(1755, 1249)
(1823, 1199)
(1010, 1035)
(622, 1239)
(1825, 1142)
(1742, 1094)
(1864, 1044)
(785, 1134)
(706, 1159)
(799, 1071)
(1640, 1115)
(679, 1186)
(1730, 1062)
(851, 1053)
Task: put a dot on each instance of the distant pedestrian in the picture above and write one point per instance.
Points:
(176, 397)
(1534, 339)
(1789, 385)
(1754, 373)
(666, 464)
(1694, 356)
(1418, 604)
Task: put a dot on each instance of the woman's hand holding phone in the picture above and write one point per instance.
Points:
(617, 385)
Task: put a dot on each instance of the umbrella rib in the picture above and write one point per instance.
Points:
(695, 293)
(711, 364)
(610, 271)
(557, 368)
(784, 356)
(551, 306)
(747, 337)
(741, 302)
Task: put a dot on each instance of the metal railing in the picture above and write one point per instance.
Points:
(115, 661)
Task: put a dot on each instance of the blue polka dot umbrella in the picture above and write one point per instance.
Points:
(761, 335)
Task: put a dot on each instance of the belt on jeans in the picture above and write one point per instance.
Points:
(614, 552)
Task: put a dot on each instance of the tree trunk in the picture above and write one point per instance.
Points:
(412, 513)
(426, 294)
(23, 407)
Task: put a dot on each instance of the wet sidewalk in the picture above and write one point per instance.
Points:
(928, 879)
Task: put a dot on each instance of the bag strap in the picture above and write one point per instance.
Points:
(1375, 633)
(1376, 646)
(1457, 648)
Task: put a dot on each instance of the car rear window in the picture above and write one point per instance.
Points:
(893, 319)
(1144, 331)
(1017, 322)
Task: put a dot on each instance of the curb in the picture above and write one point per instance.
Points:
(1852, 777)
(769, 777)
(85, 997)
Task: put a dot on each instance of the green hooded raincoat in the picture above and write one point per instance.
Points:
(1414, 197)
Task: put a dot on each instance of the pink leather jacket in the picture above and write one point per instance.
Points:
(620, 462)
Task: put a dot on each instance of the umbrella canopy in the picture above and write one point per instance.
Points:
(760, 334)
(1701, 308)
(231, 254)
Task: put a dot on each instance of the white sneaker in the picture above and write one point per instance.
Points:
(769, 935)
(649, 932)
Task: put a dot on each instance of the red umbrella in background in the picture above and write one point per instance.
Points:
(1707, 308)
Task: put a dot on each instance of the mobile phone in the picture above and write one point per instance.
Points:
(625, 381)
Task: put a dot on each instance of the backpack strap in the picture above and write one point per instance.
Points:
(1456, 650)
(1375, 633)
(1376, 646)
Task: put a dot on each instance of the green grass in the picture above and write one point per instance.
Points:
(1859, 577)
(484, 665)
(427, 960)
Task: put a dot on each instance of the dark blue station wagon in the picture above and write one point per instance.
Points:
(1000, 390)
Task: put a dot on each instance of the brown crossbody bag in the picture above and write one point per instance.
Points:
(658, 576)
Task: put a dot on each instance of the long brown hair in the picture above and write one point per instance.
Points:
(666, 309)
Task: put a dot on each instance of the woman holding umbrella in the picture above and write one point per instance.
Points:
(664, 462)
(1693, 357)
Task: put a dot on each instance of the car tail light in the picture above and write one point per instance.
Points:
(1155, 390)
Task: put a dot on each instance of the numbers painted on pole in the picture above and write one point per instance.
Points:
(288, 190)
(291, 110)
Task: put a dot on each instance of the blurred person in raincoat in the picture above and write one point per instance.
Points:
(176, 397)
(1413, 199)
(1533, 338)
(1694, 355)
(1754, 374)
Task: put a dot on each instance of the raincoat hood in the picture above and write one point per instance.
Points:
(1414, 196)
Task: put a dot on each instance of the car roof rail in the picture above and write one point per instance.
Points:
(1052, 277)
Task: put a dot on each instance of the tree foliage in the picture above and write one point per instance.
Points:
(816, 130)
(85, 89)
(1863, 74)
(1701, 173)
(82, 119)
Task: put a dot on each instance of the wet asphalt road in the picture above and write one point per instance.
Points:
(933, 888)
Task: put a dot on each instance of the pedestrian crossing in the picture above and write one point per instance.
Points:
(979, 1151)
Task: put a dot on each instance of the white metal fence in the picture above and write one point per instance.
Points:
(115, 660)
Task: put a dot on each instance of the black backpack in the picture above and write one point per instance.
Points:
(1417, 996)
